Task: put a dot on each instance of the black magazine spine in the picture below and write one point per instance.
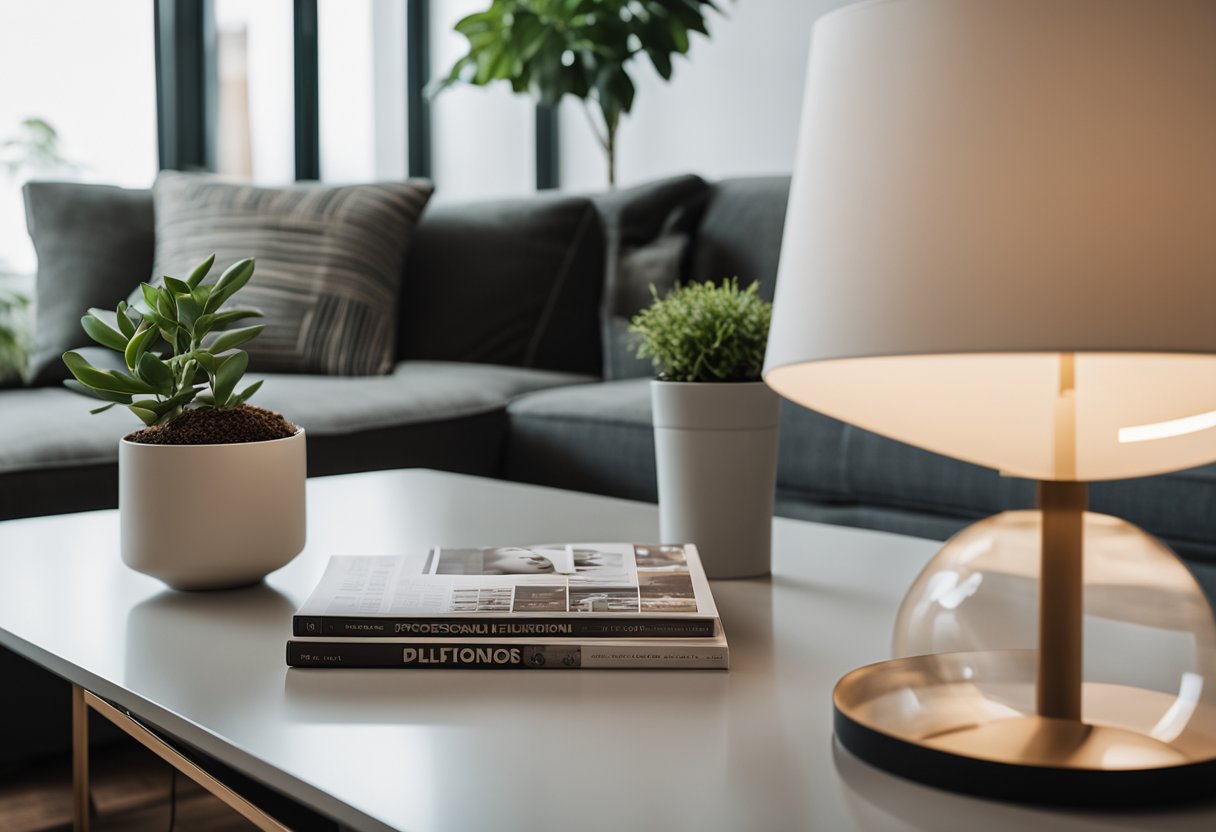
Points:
(481, 655)
(370, 627)
(503, 655)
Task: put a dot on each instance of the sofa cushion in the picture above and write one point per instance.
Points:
(55, 457)
(740, 232)
(329, 262)
(415, 392)
(94, 245)
(514, 282)
(647, 230)
(589, 437)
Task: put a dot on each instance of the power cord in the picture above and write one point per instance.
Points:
(172, 798)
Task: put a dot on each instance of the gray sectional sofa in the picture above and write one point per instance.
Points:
(514, 363)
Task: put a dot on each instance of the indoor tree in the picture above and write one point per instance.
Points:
(552, 48)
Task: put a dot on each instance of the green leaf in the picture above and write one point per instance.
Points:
(90, 376)
(165, 305)
(160, 408)
(101, 409)
(103, 334)
(129, 384)
(200, 271)
(137, 346)
(234, 338)
(156, 372)
(230, 282)
(187, 311)
(125, 324)
(148, 417)
(225, 319)
(244, 395)
(182, 398)
(205, 360)
(151, 296)
(177, 287)
(227, 374)
(105, 395)
(154, 319)
(661, 61)
(679, 34)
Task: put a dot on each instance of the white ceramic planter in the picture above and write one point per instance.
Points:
(212, 516)
(716, 449)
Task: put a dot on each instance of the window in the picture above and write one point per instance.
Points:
(79, 103)
(255, 101)
(362, 85)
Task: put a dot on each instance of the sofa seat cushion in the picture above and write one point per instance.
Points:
(415, 392)
(589, 437)
(55, 457)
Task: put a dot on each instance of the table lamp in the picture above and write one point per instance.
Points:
(1001, 246)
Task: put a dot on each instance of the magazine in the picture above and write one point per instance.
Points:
(600, 590)
(530, 653)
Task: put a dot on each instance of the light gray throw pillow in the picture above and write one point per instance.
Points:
(329, 262)
(94, 245)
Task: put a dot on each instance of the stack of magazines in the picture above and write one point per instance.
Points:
(563, 606)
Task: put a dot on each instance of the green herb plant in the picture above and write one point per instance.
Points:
(14, 334)
(582, 48)
(178, 347)
(705, 332)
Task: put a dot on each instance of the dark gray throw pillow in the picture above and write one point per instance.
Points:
(512, 281)
(94, 245)
(329, 262)
(648, 231)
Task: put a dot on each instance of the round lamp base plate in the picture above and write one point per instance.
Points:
(966, 722)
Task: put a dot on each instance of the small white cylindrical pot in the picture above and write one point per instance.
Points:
(212, 516)
(716, 449)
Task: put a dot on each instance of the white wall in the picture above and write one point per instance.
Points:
(482, 138)
(730, 109)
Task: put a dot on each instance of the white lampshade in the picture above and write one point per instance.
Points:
(1001, 236)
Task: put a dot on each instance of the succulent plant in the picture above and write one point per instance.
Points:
(705, 332)
(178, 345)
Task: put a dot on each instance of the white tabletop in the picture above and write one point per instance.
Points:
(423, 750)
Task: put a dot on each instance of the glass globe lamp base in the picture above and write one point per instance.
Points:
(967, 722)
(1052, 656)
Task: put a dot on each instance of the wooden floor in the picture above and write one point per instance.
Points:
(131, 791)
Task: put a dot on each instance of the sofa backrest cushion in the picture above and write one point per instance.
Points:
(94, 245)
(515, 282)
(739, 234)
(648, 230)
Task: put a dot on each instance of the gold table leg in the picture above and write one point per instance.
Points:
(82, 701)
(80, 761)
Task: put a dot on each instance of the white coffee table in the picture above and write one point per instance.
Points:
(751, 748)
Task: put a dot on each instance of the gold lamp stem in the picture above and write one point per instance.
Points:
(1060, 589)
(1062, 503)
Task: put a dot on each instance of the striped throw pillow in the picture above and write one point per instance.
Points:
(329, 262)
